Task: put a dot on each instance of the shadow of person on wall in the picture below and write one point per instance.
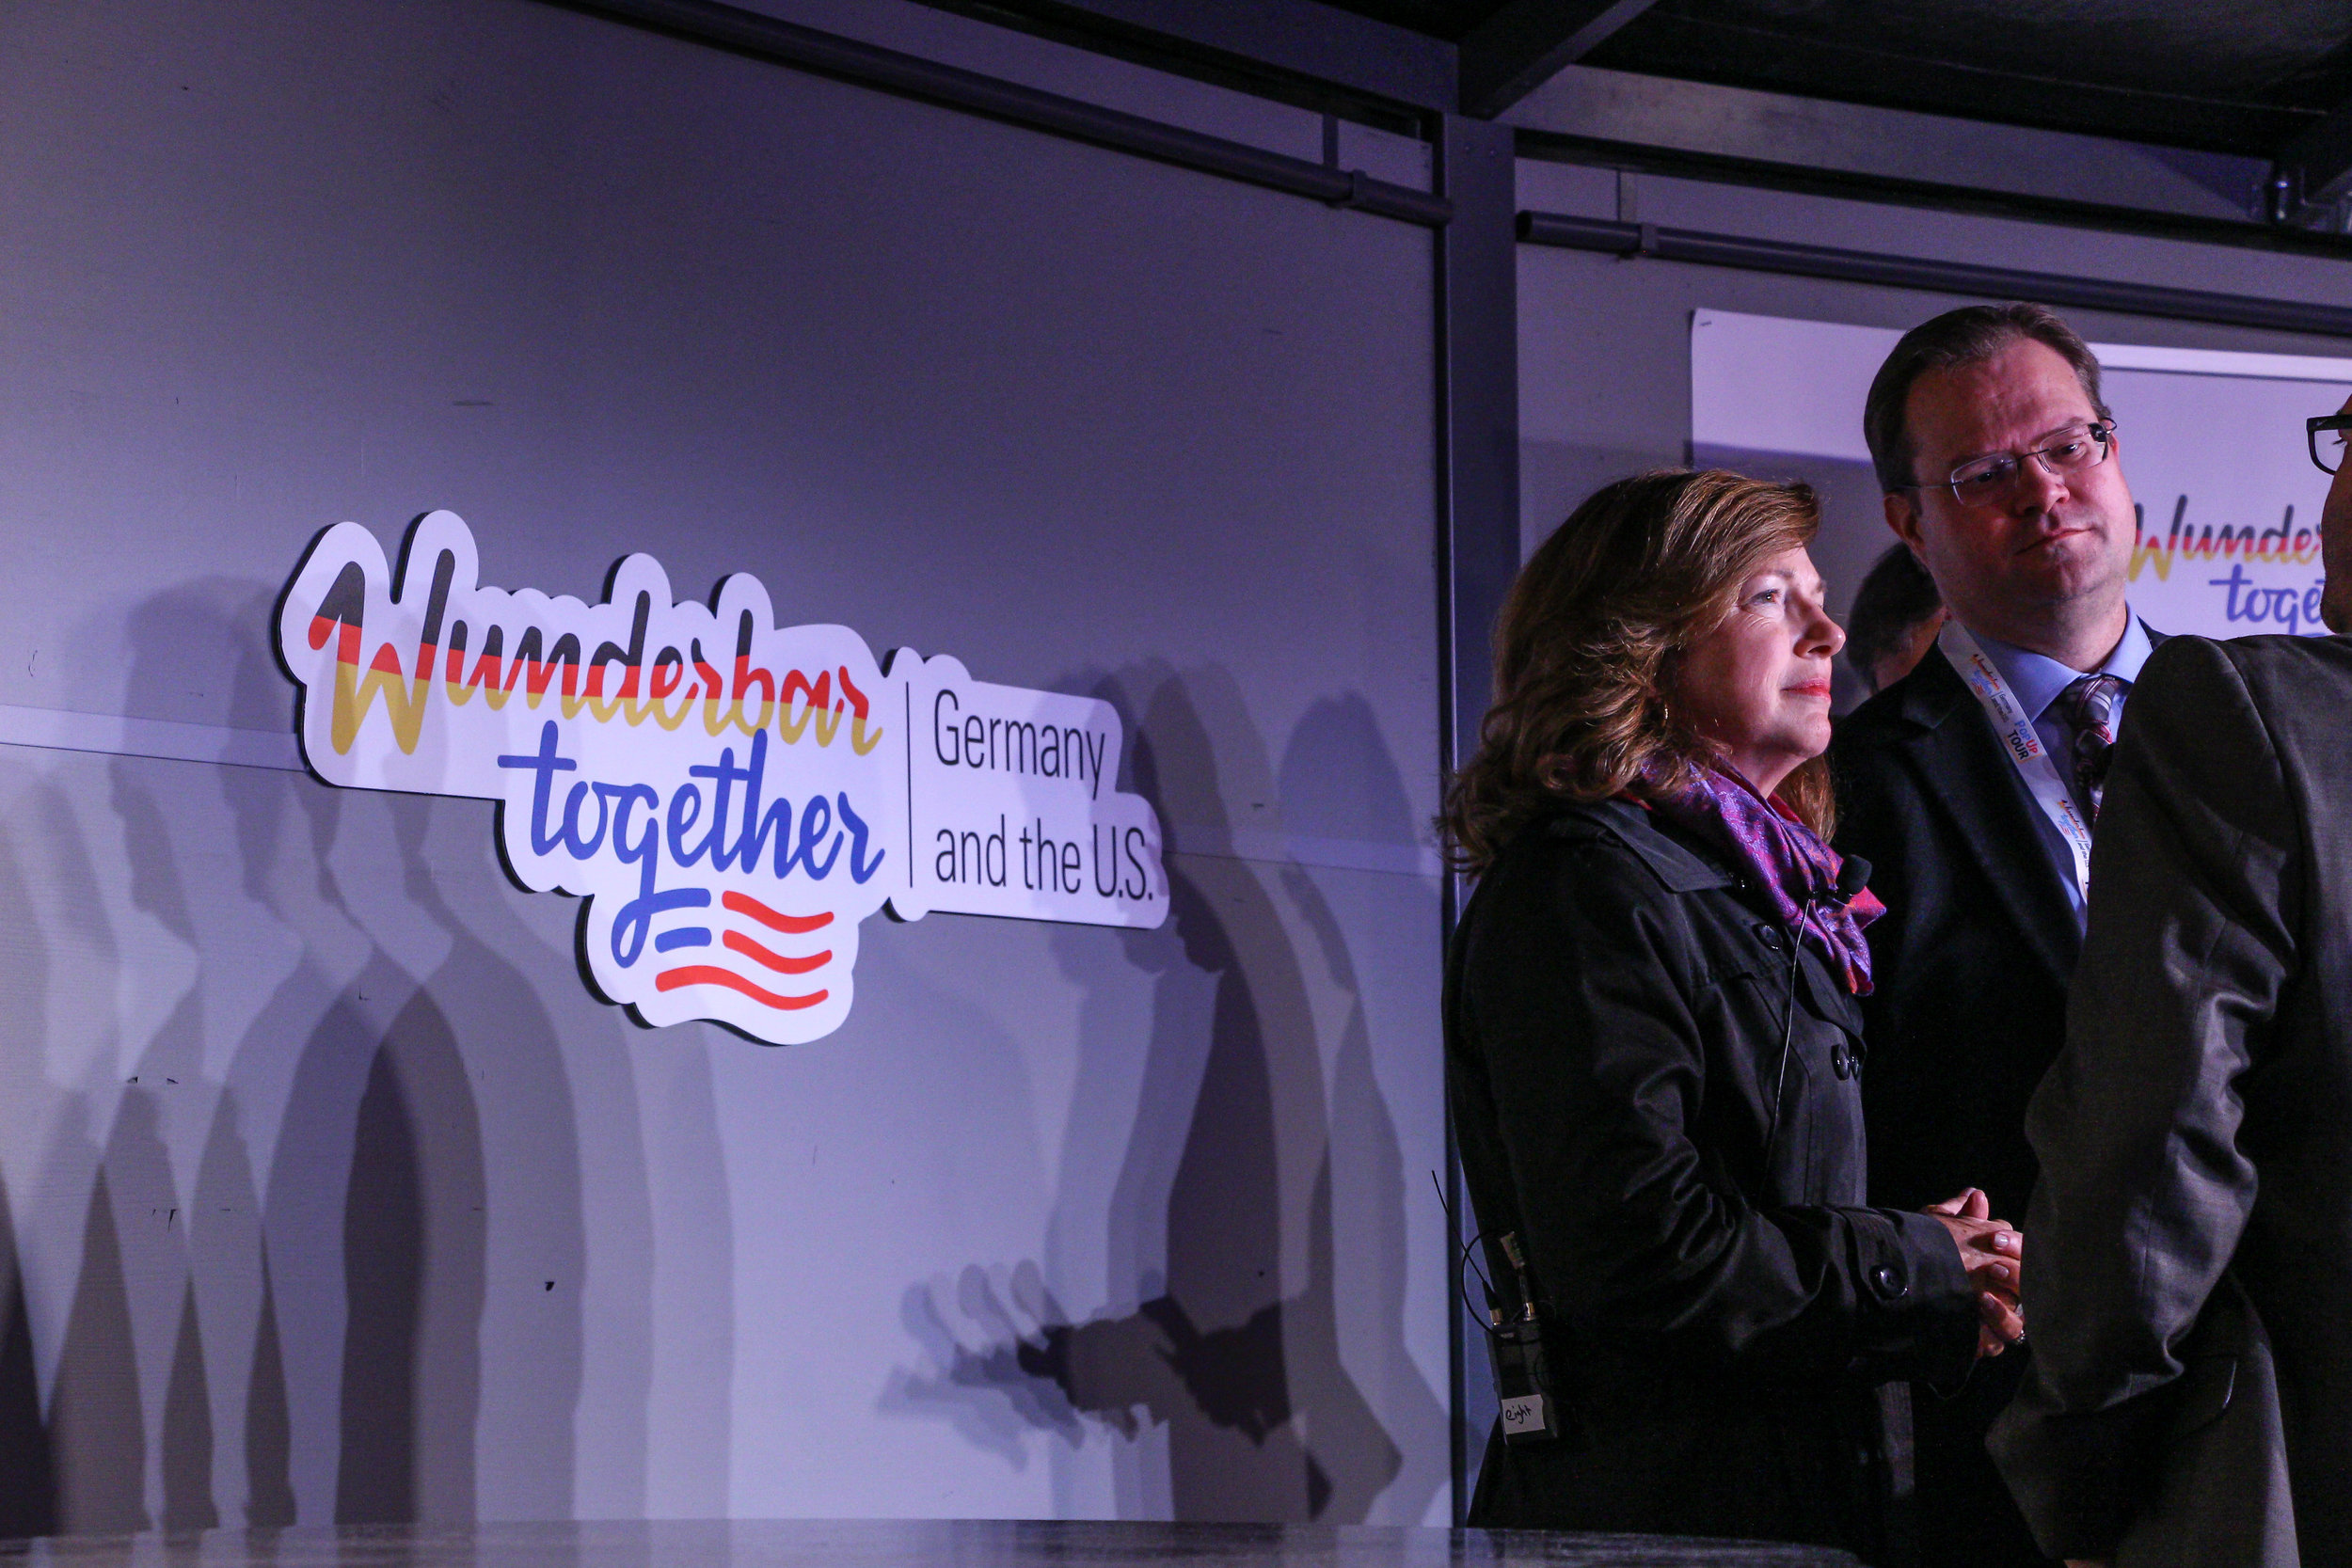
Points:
(229, 1289)
(28, 1481)
(254, 983)
(219, 1058)
(96, 1420)
(169, 1080)
(98, 1436)
(1248, 1199)
(1222, 1195)
(518, 1402)
(1339, 782)
(28, 1476)
(304, 1054)
(415, 1228)
(150, 1223)
(374, 1226)
(412, 1279)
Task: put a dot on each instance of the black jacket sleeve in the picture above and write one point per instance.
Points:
(1580, 982)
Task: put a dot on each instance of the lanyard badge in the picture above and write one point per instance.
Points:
(2022, 742)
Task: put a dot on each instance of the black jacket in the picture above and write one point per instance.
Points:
(1720, 1302)
(1973, 956)
(2199, 1115)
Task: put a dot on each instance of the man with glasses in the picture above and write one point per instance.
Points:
(1971, 785)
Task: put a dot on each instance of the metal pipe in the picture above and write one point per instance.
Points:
(1477, 554)
(1912, 271)
(764, 37)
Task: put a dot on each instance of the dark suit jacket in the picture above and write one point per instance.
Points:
(2201, 1115)
(1971, 960)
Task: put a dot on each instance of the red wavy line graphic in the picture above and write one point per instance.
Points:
(791, 925)
(776, 961)
(708, 975)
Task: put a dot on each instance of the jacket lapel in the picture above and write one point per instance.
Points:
(1969, 781)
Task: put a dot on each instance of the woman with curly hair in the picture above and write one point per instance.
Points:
(1654, 1054)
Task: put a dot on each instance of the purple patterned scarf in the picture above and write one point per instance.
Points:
(1787, 858)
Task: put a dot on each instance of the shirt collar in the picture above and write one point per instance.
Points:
(2037, 679)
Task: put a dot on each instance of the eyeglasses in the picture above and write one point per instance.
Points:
(2071, 450)
(2317, 423)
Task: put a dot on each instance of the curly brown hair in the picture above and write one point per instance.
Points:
(1586, 646)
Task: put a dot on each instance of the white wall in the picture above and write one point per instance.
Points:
(330, 1190)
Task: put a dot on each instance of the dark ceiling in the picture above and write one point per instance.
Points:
(2200, 73)
(2249, 102)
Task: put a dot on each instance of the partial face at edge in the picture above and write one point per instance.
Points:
(1758, 685)
(2335, 549)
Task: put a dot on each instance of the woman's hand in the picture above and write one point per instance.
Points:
(1994, 1254)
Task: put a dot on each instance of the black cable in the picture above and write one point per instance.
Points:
(1853, 875)
(1485, 1319)
(1787, 1024)
(1469, 1256)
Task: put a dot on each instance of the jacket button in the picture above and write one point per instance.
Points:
(1769, 935)
(1889, 1281)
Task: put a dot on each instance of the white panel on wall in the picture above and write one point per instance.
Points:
(331, 1192)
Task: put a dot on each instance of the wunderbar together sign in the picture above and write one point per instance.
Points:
(731, 796)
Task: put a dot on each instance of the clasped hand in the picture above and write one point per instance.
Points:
(1994, 1254)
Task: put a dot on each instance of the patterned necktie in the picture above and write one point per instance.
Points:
(2088, 709)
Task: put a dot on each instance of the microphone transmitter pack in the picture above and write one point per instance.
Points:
(1531, 1411)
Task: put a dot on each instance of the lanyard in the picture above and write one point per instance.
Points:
(2024, 745)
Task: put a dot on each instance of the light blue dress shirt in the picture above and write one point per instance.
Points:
(2036, 680)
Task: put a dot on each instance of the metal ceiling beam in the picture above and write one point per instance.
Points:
(2313, 175)
(1526, 43)
(1748, 253)
(754, 36)
(1302, 40)
(1736, 41)
(1588, 115)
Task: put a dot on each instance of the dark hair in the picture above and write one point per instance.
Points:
(1897, 596)
(1968, 336)
(1585, 646)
